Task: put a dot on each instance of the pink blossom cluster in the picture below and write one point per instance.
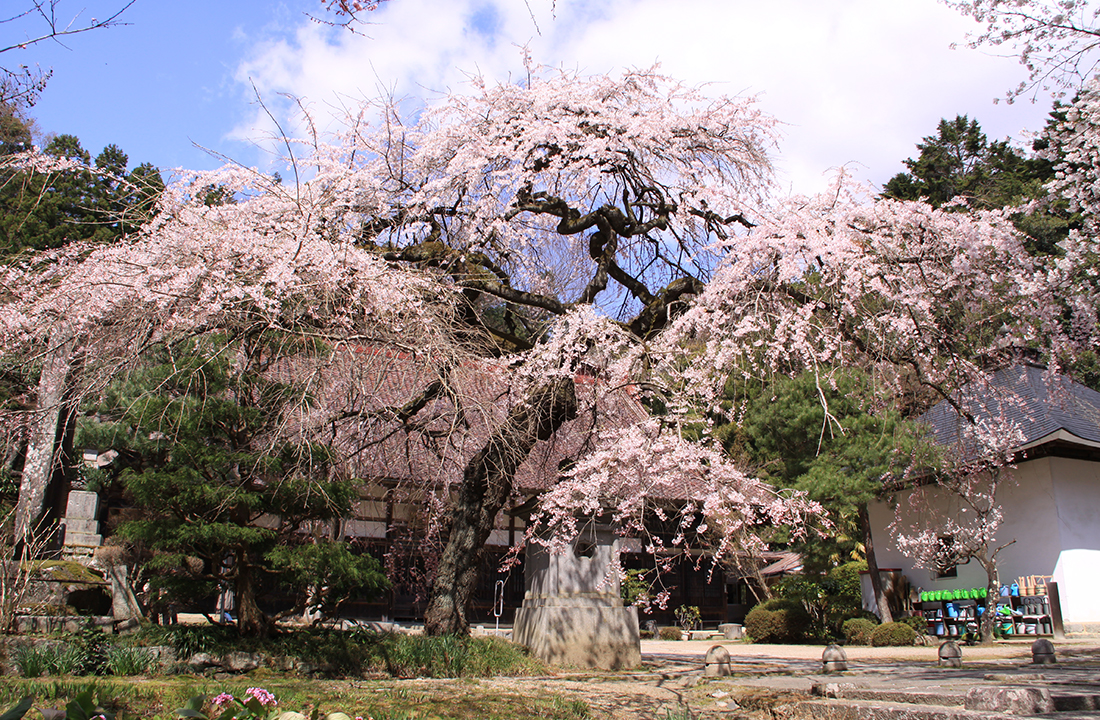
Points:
(1055, 40)
(221, 700)
(649, 468)
(839, 279)
(262, 696)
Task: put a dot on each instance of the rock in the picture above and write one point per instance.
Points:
(834, 690)
(834, 659)
(240, 662)
(1010, 700)
(201, 661)
(717, 662)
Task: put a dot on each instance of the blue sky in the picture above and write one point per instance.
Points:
(857, 82)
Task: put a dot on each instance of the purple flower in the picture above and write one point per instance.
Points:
(222, 700)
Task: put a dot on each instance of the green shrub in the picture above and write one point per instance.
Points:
(689, 617)
(895, 634)
(777, 621)
(844, 584)
(670, 633)
(857, 631)
(917, 622)
(634, 586)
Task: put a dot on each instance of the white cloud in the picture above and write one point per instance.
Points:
(856, 81)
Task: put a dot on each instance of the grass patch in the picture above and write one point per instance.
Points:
(157, 698)
(130, 660)
(38, 660)
(341, 653)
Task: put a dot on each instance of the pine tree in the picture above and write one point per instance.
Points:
(960, 163)
(43, 211)
(230, 499)
(830, 440)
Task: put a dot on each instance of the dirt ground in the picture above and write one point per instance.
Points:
(671, 679)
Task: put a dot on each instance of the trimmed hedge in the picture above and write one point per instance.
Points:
(895, 634)
(671, 633)
(857, 631)
(917, 622)
(777, 621)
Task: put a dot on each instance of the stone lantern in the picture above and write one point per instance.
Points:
(572, 613)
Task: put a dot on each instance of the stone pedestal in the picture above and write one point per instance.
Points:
(572, 613)
(834, 660)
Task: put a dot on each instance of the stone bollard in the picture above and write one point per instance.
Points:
(1042, 652)
(951, 655)
(834, 659)
(717, 662)
(731, 631)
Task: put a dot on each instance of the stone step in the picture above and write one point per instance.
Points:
(913, 698)
(1065, 702)
(838, 709)
(850, 702)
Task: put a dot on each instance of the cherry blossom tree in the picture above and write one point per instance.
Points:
(1055, 40)
(485, 229)
(619, 229)
(1074, 146)
(953, 516)
(920, 297)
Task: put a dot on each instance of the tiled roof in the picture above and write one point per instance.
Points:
(781, 563)
(1042, 405)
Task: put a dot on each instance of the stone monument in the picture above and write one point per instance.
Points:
(572, 613)
(81, 523)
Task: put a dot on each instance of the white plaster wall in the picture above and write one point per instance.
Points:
(1078, 581)
(1077, 490)
(1030, 519)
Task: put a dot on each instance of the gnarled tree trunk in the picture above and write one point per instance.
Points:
(251, 620)
(486, 486)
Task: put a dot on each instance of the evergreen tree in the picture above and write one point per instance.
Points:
(834, 442)
(41, 211)
(960, 163)
(229, 500)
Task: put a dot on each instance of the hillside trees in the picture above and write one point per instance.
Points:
(960, 161)
(960, 165)
(44, 208)
(614, 228)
